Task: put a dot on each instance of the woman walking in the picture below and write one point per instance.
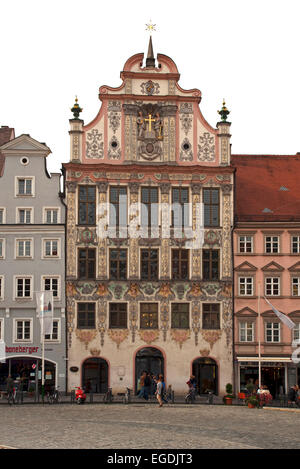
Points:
(159, 390)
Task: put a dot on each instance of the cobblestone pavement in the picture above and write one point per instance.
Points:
(147, 426)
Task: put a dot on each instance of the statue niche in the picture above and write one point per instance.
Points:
(149, 131)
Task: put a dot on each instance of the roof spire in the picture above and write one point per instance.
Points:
(150, 60)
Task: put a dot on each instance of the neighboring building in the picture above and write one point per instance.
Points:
(32, 258)
(153, 303)
(266, 258)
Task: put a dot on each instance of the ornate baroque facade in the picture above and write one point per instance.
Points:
(163, 306)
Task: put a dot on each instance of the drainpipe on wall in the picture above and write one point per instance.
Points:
(62, 196)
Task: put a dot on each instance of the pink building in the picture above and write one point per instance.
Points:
(266, 246)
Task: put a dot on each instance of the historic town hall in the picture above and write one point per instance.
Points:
(142, 292)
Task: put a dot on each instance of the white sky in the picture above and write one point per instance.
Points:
(244, 51)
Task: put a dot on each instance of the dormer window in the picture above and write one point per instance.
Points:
(25, 186)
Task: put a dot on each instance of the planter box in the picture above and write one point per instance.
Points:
(228, 400)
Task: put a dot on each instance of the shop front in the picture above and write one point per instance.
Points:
(274, 374)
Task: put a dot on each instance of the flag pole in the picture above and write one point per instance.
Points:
(259, 341)
(43, 360)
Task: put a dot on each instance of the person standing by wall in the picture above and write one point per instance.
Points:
(159, 390)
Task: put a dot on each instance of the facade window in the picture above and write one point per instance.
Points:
(295, 244)
(1, 287)
(51, 215)
(118, 207)
(149, 316)
(180, 316)
(149, 264)
(86, 316)
(1, 248)
(25, 186)
(118, 264)
(23, 287)
(24, 248)
(51, 284)
(296, 333)
(118, 315)
(211, 200)
(1, 216)
(24, 215)
(272, 286)
(51, 248)
(271, 244)
(210, 264)
(296, 286)
(87, 205)
(211, 316)
(149, 208)
(246, 331)
(55, 335)
(245, 244)
(245, 286)
(180, 264)
(23, 330)
(86, 263)
(272, 331)
(180, 207)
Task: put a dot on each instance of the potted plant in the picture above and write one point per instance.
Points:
(252, 401)
(227, 399)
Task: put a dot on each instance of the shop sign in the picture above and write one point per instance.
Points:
(21, 349)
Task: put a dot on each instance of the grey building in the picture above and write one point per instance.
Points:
(32, 258)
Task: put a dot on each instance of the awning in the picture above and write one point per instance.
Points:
(265, 359)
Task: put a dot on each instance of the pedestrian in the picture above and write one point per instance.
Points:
(293, 395)
(142, 384)
(147, 386)
(163, 396)
(159, 390)
(10, 388)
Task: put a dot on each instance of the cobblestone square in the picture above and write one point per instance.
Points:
(136, 426)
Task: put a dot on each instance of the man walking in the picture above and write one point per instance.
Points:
(293, 395)
(10, 389)
(159, 390)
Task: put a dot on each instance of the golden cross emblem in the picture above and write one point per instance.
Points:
(150, 120)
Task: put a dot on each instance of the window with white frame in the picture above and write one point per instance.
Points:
(272, 331)
(24, 186)
(2, 216)
(51, 283)
(51, 215)
(55, 335)
(271, 244)
(2, 248)
(295, 286)
(23, 330)
(50, 247)
(1, 287)
(24, 215)
(295, 244)
(296, 333)
(24, 248)
(245, 243)
(272, 286)
(23, 287)
(246, 331)
(245, 286)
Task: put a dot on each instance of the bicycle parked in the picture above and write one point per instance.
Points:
(108, 396)
(127, 397)
(54, 396)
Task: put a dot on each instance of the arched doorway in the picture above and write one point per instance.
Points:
(148, 359)
(95, 375)
(205, 371)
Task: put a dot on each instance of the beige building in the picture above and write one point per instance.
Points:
(148, 286)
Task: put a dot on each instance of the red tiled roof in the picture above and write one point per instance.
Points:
(267, 187)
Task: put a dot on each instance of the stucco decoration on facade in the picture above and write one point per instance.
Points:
(180, 336)
(206, 147)
(149, 336)
(118, 336)
(95, 144)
